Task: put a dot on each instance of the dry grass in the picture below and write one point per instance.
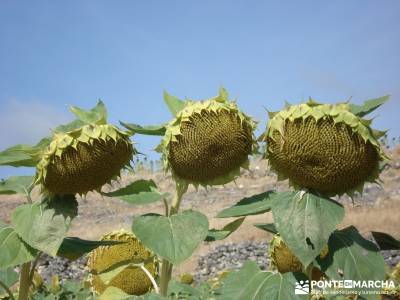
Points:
(383, 218)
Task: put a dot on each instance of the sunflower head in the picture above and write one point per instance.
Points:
(83, 159)
(323, 147)
(132, 280)
(208, 142)
(283, 259)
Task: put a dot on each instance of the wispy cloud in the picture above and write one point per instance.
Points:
(26, 122)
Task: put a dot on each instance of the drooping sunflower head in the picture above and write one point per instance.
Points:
(132, 280)
(323, 147)
(283, 259)
(83, 159)
(208, 142)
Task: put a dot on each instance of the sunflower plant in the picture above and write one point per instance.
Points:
(324, 150)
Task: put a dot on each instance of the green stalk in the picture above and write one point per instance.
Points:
(24, 282)
(25, 272)
(166, 266)
(164, 280)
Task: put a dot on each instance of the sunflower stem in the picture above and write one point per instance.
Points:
(166, 266)
(24, 282)
(164, 280)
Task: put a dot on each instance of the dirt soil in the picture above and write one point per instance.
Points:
(378, 209)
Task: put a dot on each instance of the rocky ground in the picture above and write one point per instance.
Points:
(378, 209)
(229, 256)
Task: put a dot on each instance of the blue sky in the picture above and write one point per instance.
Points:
(59, 53)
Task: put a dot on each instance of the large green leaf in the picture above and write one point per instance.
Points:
(252, 283)
(9, 277)
(23, 155)
(139, 192)
(227, 230)
(305, 222)
(269, 227)
(386, 241)
(73, 247)
(368, 106)
(17, 157)
(174, 238)
(174, 104)
(96, 115)
(44, 225)
(351, 257)
(257, 204)
(16, 185)
(13, 250)
(158, 130)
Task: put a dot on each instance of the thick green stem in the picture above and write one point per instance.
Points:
(8, 291)
(164, 280)
(24, 282)
(176, 201)
(166, 266)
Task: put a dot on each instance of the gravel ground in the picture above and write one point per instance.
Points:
(230, 256)
(64, 268)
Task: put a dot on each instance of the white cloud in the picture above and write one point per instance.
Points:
(26, 122)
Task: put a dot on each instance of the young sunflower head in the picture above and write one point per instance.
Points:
(283, 258)
(323, 147)
(84, 159)
(132, 280)
(208, 142)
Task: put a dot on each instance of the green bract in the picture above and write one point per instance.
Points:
(323, 147)
(83, 159)
(208, 142)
